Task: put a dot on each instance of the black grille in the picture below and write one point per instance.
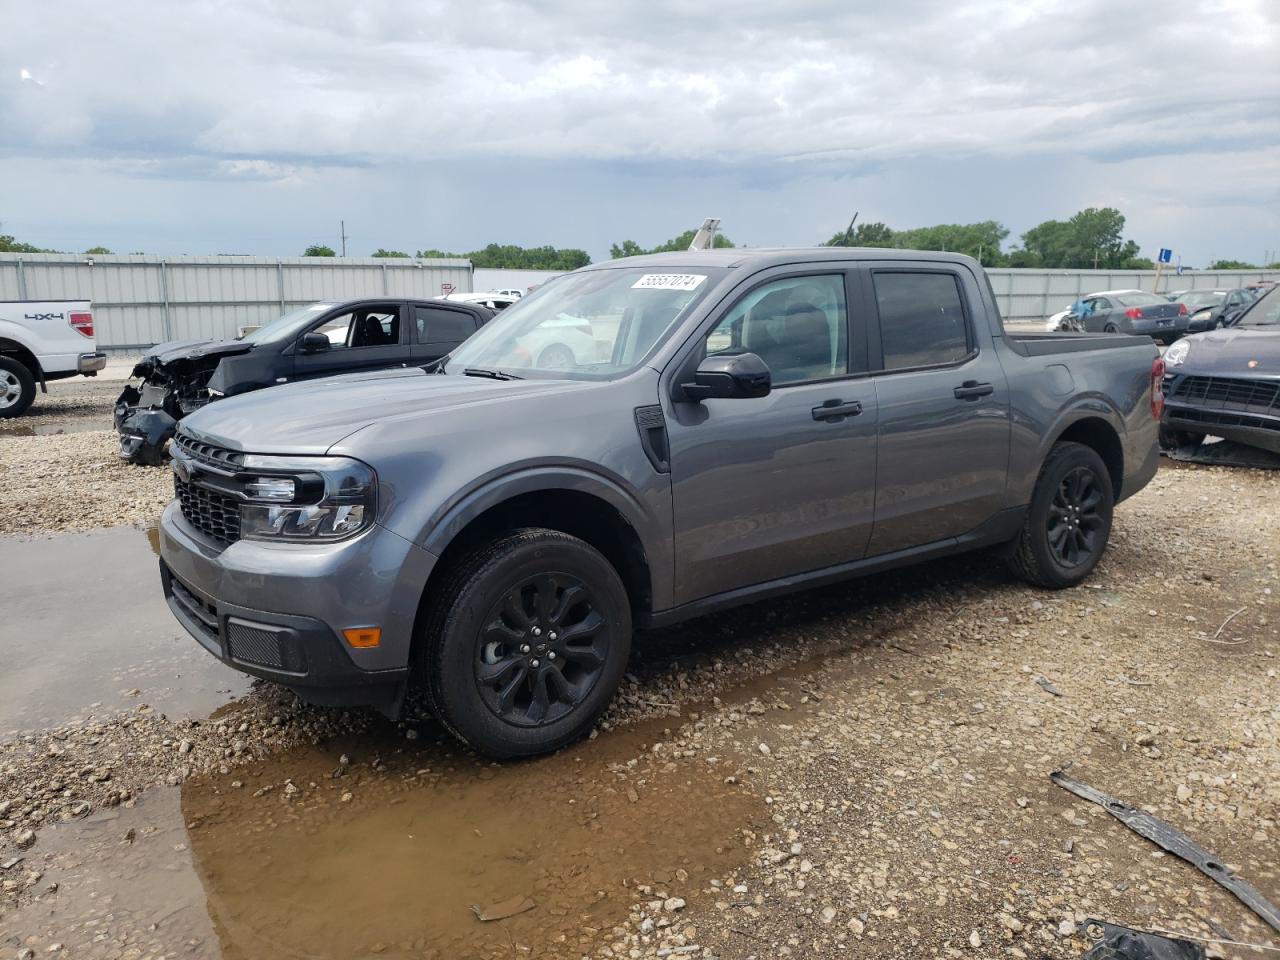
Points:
(1225, 393)
(254, 645)
(207, 452)
(214, 515)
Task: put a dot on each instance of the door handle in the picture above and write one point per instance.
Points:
(972, 390)
(837, 410)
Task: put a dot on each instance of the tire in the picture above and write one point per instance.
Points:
(557, 356)
(1059, 546)
(1110, 328)
(17, 388)
(490, 642)
(1171, 439)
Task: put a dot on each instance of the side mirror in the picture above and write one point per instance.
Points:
(315, 343)
(729, 376)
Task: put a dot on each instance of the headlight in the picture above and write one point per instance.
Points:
(306, 498)
(1202, 315)
(1177, 353)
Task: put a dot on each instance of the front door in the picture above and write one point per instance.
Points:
(943, 427)
(784, 484)
(368, 337)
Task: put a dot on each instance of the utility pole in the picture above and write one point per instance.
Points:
(342, 226)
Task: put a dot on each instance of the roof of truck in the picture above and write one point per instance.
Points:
(776, 256)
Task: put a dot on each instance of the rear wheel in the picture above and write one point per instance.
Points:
(557, 357)
(1068, 521)
(526, 643)
(17, 387)
(1110, 328)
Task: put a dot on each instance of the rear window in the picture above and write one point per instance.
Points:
(1139, 299)
(435, 324)
(922, 321)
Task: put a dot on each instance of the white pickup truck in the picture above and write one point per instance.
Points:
(43, 340)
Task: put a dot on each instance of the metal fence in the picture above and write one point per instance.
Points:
(140, 301)
(1025, 295)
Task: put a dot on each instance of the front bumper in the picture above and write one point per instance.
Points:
(277, 611)
(91, 363)
(1252, 429)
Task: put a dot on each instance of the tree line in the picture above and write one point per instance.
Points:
(1090, 239)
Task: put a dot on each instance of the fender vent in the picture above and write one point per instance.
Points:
(653, 437)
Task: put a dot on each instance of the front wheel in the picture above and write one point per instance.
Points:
(526, 643)
(1068, 521)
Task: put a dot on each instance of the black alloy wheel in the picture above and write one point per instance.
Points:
(524, 642)
(543, 647)
(1074, 524)
(1068, 520)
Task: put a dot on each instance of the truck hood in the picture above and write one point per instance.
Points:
(311, 416)
(1230, 351)
(193, 350)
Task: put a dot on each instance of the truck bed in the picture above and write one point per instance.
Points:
(1050, 344)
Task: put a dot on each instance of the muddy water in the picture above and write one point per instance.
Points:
(83, 623)
(12, 428)
(215, 870)
(397, 868)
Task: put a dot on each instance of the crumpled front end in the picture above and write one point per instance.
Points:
(146, 416)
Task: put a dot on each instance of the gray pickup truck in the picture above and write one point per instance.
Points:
(714, 428)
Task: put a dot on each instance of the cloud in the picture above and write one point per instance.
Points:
(810, 79)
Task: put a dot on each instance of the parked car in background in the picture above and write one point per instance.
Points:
(1131, 311)
(752, 422)
(495, 300)
(43, 340)
(1209, 309)
(1227, 382)
(512, 292)
(318, 340)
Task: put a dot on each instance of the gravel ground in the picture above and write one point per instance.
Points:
(897, 734)
(73, 481)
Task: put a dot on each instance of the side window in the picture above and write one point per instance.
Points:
(922, 319)
(366, 327)
(798, 327)
(436, 325)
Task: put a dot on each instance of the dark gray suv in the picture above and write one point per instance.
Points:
(636, 443)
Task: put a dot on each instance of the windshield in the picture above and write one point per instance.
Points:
(594, 324)
(1202, 298)
(1139, 299)
(288, 326)
(1263, 312)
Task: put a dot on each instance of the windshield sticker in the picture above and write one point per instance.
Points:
(669, 281)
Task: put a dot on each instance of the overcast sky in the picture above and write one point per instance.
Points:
(253, 127)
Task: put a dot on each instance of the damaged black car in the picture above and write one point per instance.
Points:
(318, 340)
(1226, 383)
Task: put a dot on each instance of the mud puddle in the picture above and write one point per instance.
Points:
(20, 429)
(390, 852)
(83, 623)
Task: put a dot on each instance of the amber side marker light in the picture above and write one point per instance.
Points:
(363, 636)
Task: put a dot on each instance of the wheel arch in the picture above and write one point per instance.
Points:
(1098, 434)
(581, 505)
(12, 348)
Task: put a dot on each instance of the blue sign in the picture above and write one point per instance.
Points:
(1166, 256)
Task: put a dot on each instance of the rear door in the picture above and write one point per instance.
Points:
(370, 336)
(943, 406)
(784, 484)
(439, 330)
